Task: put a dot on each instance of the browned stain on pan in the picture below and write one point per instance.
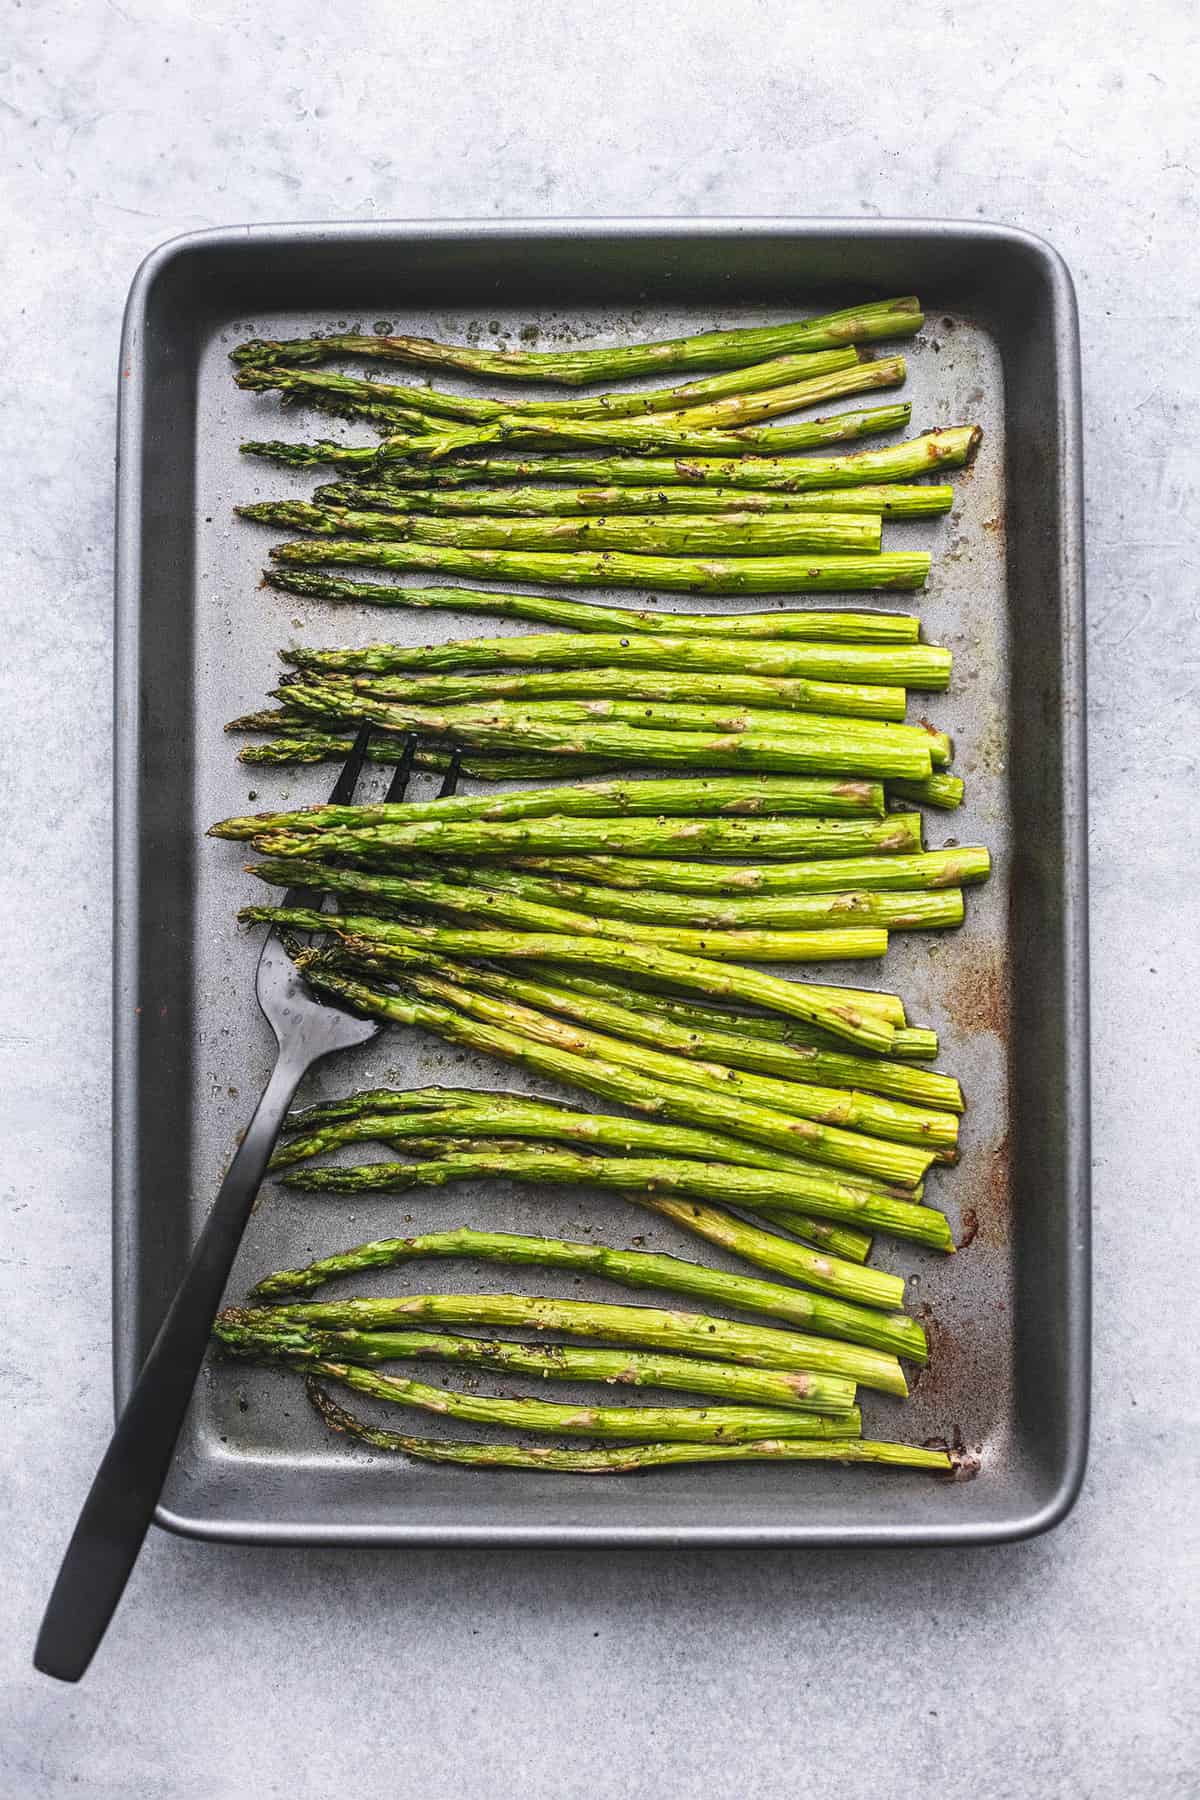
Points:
(976, 994)
(992, 1192)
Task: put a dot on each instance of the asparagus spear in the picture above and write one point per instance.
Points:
(707, 350)
(672, 715)
(518, 1120)
(658, 431)
(914, 1043)
(864, 1289)
(937, 789)
(845, 1128)
(309, 746)
(897, 502)
(651, 1181)
(867, 1360)
(950, 448)
(710, 797)
(722, 423)
(927, 869)
(611, 568)
(725, 1044)
(378, 935)
(652, 838)
(817, 1396)
(832, 698)
(698, 1334)
(661, 1099)
(719, 534)
(799, 743)
(419, 944)
(521, 900)
(626, 1460)
(819, 1399)
(841, 1018)
(652, 906)
(394, 1115)
(558, 609)
(925, 666)
(673, 1424)
(808, 371)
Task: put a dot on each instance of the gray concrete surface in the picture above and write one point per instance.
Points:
(1062, 1668)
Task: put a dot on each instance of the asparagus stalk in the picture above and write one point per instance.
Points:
(629, 1459)
(896, 502)
(674, 715)
(470, 1126)
(842, 1018)
(950, 448)
(708, 797)
(676, 432)
(309, 746)
(913, 1043)
(675, 1102)
(937, 789)
(557, 609)
(429, 1116)
(924, 870)
(672, 1424)
(653, 838)
(839, 1013)
(847, 1129)
(784, 373)
(656, 1328)
(800, 743)
(707, 350)
(469, 1112)
(918, 1088)
(521, 900)
(639, 1177)
(884, 705)
(378, 937)
(789, 912)
(867, 1360)
(730, 420)
(611, 568)
(818, 1397)
(814, 1233)
(650, 1182)
(924, 666)
(719, 534)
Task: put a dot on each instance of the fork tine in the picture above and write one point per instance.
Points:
(342, 795)
(347, 781)
(450, 778)
(398, 786)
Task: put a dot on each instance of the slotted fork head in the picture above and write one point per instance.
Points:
(300, 1020)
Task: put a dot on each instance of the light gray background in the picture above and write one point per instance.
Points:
(1065, 1667)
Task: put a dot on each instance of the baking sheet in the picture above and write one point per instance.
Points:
(1006, 1315)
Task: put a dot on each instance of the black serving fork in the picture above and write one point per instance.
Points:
(125, 1492)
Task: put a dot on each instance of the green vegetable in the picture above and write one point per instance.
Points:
(814, 1395)
(868, 1360)
(611, 568)
(895, 502)
(910, 665)
(632, 1458)
(718, 534)
(641, 1178)
(707, 350)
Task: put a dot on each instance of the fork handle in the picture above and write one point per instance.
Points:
(125, 1492)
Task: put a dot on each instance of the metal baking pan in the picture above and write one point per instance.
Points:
(196, 645)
